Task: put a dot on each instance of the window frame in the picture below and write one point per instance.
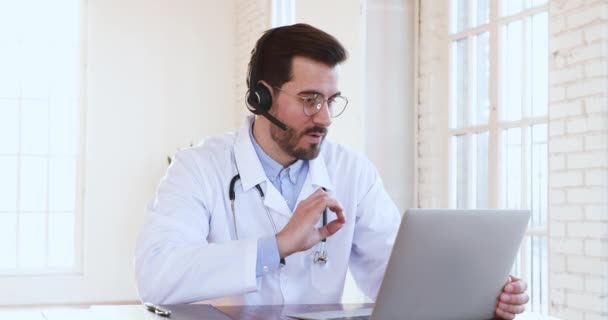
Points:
(31, 274)
(495, 126)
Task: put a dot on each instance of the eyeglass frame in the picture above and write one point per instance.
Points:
(318, 109)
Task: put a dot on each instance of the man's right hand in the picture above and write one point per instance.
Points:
(300, 233)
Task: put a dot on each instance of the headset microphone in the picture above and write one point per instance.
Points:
(275, 121)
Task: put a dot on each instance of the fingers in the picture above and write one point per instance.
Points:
(509, 298)
(516, 286)
(336, 207)
(330, 228)
(510, 308)
(314, 205)
(302, 231)
(513, 298)
(336, 224)
(501, 314)
(509, 311)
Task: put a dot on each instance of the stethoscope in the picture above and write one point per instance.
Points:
(320, 255)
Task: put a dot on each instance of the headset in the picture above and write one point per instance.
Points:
(258, 96)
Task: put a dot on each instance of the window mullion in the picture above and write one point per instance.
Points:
(469, 117)
(493, 133)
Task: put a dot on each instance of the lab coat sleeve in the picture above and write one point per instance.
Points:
(174, 263)
(376, 225)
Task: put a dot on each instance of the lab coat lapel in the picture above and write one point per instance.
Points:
(317, 177)
(252, 172)
(247, 162)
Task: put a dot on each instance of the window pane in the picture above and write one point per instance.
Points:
(9, 126)
(459, 85)
(40, 79)
(62, 183)
(34, 71)
(510, 7)
(61, 239)
(527, 252)
(511, 163)
(9, 66)
(537, 164)
(8, 240)
(34, 127)
(65, 72)
(64, 24)
(534, 3)
(8, 183)
(35, 22)
(511, 71)
(516, 269)
(63, 128)
(481, 164)
(481, 105)
(539, 63)
(462, 176)
(482, 11)
(33, 176)
(32, 239)
(538, 274)
(460, 15)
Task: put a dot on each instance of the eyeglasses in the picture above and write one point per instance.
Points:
(313, 103)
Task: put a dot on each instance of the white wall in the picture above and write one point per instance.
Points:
(345, 20)
(159, 75)
(253, 17)
(389, 95)
(378, 79)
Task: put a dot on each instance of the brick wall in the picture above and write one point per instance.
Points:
(253, 17)
(431, 144)
(578, 159)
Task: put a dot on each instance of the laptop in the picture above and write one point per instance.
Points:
(445, 264)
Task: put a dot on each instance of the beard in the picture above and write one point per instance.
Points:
(288, 141)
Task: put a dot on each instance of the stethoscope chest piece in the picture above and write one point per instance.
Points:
(321, 255)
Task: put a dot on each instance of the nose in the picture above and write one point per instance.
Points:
(322, 117)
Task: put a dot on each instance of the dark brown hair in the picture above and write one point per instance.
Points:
(272, 57)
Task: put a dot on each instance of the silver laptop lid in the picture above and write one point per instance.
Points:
(450, 264)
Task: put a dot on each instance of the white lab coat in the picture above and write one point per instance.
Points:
(187, 250)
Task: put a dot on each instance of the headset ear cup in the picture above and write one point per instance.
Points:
(259, 99)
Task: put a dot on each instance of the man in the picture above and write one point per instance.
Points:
(243, 218)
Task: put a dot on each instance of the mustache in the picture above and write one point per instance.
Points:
(315, 129)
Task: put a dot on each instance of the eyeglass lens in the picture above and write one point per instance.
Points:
(314, 104)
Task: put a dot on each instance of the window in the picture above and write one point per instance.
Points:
(498, 120)
(40, 84)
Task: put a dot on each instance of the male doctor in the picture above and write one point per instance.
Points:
(273, 213)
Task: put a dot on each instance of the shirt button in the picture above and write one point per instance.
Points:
(265, 268)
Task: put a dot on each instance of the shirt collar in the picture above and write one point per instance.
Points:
(271, 167)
